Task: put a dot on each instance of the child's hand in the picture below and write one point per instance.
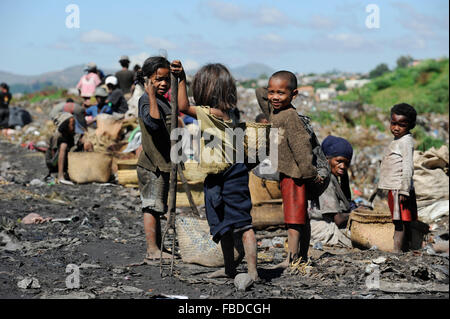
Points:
(177, 69)
(149, 86)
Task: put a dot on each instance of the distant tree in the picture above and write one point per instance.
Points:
(404, 61)
(263, 77)
(379, 70)
(341, 87)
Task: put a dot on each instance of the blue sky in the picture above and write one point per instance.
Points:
(298, 35)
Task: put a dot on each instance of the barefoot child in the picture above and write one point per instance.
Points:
(295, 163)
(227, 196)
(396, 174)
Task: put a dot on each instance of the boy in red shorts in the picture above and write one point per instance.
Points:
(295, 165)
(396, 174)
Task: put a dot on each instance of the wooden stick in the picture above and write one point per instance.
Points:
(173, 177)
(187, 189)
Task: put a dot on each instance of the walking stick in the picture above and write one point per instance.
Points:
(173, 178)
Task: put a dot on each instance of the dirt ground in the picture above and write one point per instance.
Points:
(106, 241)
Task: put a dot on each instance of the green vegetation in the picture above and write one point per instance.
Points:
(51, 93)
(322, 117)
(424, 86)
(424, 141)
(379, 70)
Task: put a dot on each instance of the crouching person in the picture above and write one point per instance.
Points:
(61, 143)
(331, 212)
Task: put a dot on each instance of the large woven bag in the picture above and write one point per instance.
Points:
(89, 167)
(196, 244)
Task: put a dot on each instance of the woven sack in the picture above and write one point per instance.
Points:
(196, 244)
(89, 167)
(375, 228)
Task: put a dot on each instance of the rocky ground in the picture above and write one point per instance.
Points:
(105, 240)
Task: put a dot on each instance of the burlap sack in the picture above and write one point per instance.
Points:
(196, 244)
(89, 167)
(108, 125)
(431, 181)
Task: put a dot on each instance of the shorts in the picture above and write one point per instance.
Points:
(295, 203)
(227, 201)
(154, 189)
(408, 211)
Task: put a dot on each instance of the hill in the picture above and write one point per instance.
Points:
(425, 86)
(65, 78)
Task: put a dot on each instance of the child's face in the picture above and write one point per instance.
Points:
(399, 125)
(161, 80)
(279, 94)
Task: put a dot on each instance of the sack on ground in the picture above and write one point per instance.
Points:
(196, 244)
(89, 167)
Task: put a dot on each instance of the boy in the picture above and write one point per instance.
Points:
(295, 165)
(396, 174)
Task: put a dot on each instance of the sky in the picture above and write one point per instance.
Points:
(298, 35)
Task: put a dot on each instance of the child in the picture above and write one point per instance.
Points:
(227, 196)
(154, 164)
(295, 165)
(396, 174)
(61, 142)
(115, 97)
(101, 107)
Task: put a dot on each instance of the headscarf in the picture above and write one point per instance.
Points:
(334, 146)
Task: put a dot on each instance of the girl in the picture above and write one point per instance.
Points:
(154, 164)
(227, 196)
(396, 174)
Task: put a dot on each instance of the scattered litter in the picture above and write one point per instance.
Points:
(34, 218)
(28, 283)
(37, 182)
(243, 281)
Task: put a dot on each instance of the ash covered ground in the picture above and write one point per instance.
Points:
(106, 241)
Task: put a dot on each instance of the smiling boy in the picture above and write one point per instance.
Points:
(295, 163)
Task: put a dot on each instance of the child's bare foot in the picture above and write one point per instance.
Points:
(221, 274)
(153, 256)
(254, 276)
(282, 265)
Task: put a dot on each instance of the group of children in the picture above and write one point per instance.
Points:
(227, 196)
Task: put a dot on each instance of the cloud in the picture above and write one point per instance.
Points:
(190, 65)
(98, 36)
(262, 16)
(138, 58)
(269, 16)
(60, 45)
(225, 11)
(101, 37)
(159, 43)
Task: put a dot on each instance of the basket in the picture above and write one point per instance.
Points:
(196, 244)
(263, 190)
(267, 214)
(375, 228)
(256, 141)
